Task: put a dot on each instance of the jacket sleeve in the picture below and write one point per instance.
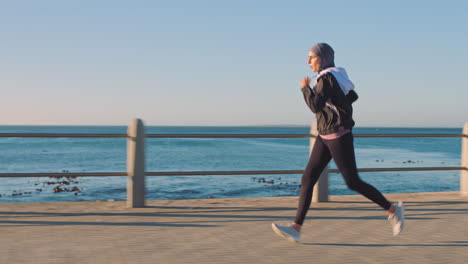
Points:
(352, 96)
(316, 98)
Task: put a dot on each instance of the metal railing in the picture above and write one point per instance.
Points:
(136, 172)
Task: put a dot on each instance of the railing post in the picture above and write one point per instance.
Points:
(136, 164)
(464, 162)
(320, 193)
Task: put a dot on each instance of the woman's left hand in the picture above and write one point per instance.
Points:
(305, 82)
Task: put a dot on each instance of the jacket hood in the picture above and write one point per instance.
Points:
(340, 75)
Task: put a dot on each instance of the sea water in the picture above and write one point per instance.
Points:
(55, 155)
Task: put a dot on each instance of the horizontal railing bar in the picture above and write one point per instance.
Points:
(65, 174)
(290, 135)
(82, 135)
(409, 135)
(408, 169)
(199, 173)
(229, 135)
(56, 135)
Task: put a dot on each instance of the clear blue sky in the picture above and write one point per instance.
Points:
(92, 62)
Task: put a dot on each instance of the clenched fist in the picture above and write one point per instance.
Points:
(305, 82)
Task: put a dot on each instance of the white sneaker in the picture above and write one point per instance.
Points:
(287, 232)
(398, 219)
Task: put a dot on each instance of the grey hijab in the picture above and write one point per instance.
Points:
(326, 54)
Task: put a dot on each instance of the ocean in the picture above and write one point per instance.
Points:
(52, 155)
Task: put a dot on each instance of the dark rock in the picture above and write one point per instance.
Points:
(58, 189)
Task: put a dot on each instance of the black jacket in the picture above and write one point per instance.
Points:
(331, 106)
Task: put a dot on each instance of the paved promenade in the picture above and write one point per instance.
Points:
(349, 229)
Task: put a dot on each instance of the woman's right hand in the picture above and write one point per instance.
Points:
(305, 82)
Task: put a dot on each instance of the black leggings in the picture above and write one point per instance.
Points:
(342, 152)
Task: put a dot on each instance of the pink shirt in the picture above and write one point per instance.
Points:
(335, 135)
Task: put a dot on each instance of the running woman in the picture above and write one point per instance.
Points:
(330, 98)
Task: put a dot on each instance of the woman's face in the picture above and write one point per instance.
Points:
(314, 61)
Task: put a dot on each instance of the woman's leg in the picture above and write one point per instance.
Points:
(318, 159)
(342, 151)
